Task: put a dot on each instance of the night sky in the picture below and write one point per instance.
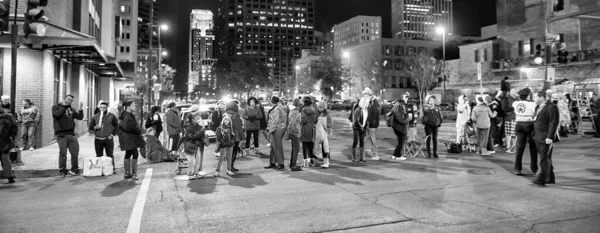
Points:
(469, 17)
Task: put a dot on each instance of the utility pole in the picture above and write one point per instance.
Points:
(150, 64)
(13, 61)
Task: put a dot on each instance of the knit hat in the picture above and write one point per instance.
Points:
(524, 92)
(367, 91)
(275, 100)
(307, 100)
(194, 108)
(322, 104)
(231, 106)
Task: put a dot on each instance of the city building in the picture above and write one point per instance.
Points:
(271, 32)
(528, 54)
(202, 37)
(356, 30)
(417, 19)
(128, 14)
(76, 55)
(146, 9)
(379, 64)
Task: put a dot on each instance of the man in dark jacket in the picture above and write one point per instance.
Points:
(64, 129)
(499, 120)
(104, 127)
(595, 108)
(545, 128)
(173, 125)
(8, 133)
(372, 120)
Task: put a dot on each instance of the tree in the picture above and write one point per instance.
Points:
(425, 72)
(240, 75)
(328, 71)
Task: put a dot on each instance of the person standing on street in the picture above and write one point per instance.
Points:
(372, 120)
(359, 130)
(252, 117)
(595, 108)
(509, 120)
(130, 138)
(546, 124)
(432, 119)
(293, 129)
(194, 147)
(28, 117)
(322, 133)
(173, 125)
(464, 115)
(495, 123)
(524, 115)
(308, 120)
(8, 133)
(64, 129)
(499, 135)
(104, 126)
(481, 117)
(216, 118)
(263, 124)
(232, 110)
(154, 121)
(400, 127)
(225, 137)
(411, 110)
(565, 116)
(276, 129)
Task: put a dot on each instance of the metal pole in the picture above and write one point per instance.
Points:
(444, 60)
(13, 61)
(159, 63)
(150, 64)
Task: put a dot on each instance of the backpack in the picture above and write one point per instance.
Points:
(431, 118)
(390, 119)
(454, 147)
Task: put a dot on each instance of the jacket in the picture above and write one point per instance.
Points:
(263, 119)
(64, 119)
(374, 109)
(28, 115)
(546, 122)
(482, 116)
(156, 124)
(308, 120)
(507, 108)
(463, 113)
(277, 119)
(252, 117)
(194, 137)
(401, 119)
(173, 122)
(565, 114)
(432, 109)
(109, 124)
(8, 131)
(495, 108)
(216, 118)
(412, 112)
(130, 134)
(357, 119)
(294, 122)
(524, 111)
(236, 122)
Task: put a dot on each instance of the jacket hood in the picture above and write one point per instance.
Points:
(123, 114)
(461, 99)
(232, 106)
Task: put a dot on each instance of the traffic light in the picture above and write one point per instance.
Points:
(4, 14)
(33, 16)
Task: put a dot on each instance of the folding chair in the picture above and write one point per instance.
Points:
(415, 148)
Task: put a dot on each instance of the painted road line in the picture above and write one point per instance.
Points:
(138, 209)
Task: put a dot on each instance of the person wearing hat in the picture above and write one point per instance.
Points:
(372, 119)
(252, 117)
(432, 120)
(481, 117)
(524, 115)
(8, 129)
(307, 131)
(509, 120)
(276, 128)
(104, 126)
(154, 121)
(400, 127)
(232, 110)
(293, 129)
(173, 125)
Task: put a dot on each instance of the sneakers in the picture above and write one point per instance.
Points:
(230, 173)
(518, 173)
(492, 151)
(401, 158)
(510, 151)
(497, 145)
(296, 168)
(216, 174)
(21, 148)
(73, 173)
(217, 154)
(325, 164)
(201, 173)
(376, 158)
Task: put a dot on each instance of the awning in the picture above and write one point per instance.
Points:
(73, 46)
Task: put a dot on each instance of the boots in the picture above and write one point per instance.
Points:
(127, 166)
(325, 163)
(134, 169)
(354, 158)
(362, 155)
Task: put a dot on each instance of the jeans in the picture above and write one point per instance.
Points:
(547, 169)
(307, 150)
(68, 142)
(494, 135)
(254, 134)
(6, 165)
(175, 142)
(373, 139)
(235, 150)
(359, 138)
(195, 161)
(401, 138)
(482, 137)
(27, 134)
(276, 156)
(524, 131)
(107, 145)
(433, 133)
(226, 153)
(130, 153)
(295, 149)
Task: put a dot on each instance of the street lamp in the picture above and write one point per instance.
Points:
(164, 53)
(442, 30)
(164, 27)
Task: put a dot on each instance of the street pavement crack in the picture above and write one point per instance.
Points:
(532, 228)
(368, 225)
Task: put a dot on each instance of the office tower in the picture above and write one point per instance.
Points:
(417, 19)
(356, 31)
(128, 14)
(143, 19)
(201, 51)
(271, 32)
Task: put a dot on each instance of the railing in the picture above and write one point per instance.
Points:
(562, 58)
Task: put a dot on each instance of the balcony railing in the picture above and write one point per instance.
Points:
(563, 59)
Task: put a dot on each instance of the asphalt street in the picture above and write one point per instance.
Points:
(456, 193)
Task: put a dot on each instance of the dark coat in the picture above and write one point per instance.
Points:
(263, 119)
(401, 119)
(373, 117)
(215, 119)
(194, 137)
(156, 124)
(308, 119)
(252, 118)
(8, 129)
(546, 123)
(130, 134)
(507, 108)
(236, 122)
(109, 125)
(357, 118)
(173, 122)
(64, 118)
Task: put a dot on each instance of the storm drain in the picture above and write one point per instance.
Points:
(481, 172)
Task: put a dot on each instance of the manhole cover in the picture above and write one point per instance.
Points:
(481, 172)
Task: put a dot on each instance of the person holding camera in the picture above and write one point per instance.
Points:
(64, 128)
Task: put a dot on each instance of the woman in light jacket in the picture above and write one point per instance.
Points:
(564, 115)
(463, 116)
(481, 117)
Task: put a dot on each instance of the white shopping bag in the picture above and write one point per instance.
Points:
(107, 166)
(92, 166)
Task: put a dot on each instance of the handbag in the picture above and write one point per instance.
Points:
(453, 147)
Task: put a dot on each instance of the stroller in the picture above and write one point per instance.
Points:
(181, 158)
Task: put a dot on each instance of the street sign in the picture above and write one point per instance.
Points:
(550, 74)
(478, 70)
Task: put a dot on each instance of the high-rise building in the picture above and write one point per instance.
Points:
(147, 8)
(417, 19)
(202, 38)
(272, 32)
(356, 31)
(128, 15)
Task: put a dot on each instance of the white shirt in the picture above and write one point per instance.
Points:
(525, 111)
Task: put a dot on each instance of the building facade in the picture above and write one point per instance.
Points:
(273, 33)
(202, 36)
(147, 8)
(128, 15)
(355, 31)
(76, 55)
(417, 19)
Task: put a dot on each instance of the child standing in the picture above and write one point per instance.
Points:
(225, 137)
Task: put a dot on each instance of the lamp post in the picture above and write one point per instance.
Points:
(442, 30)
